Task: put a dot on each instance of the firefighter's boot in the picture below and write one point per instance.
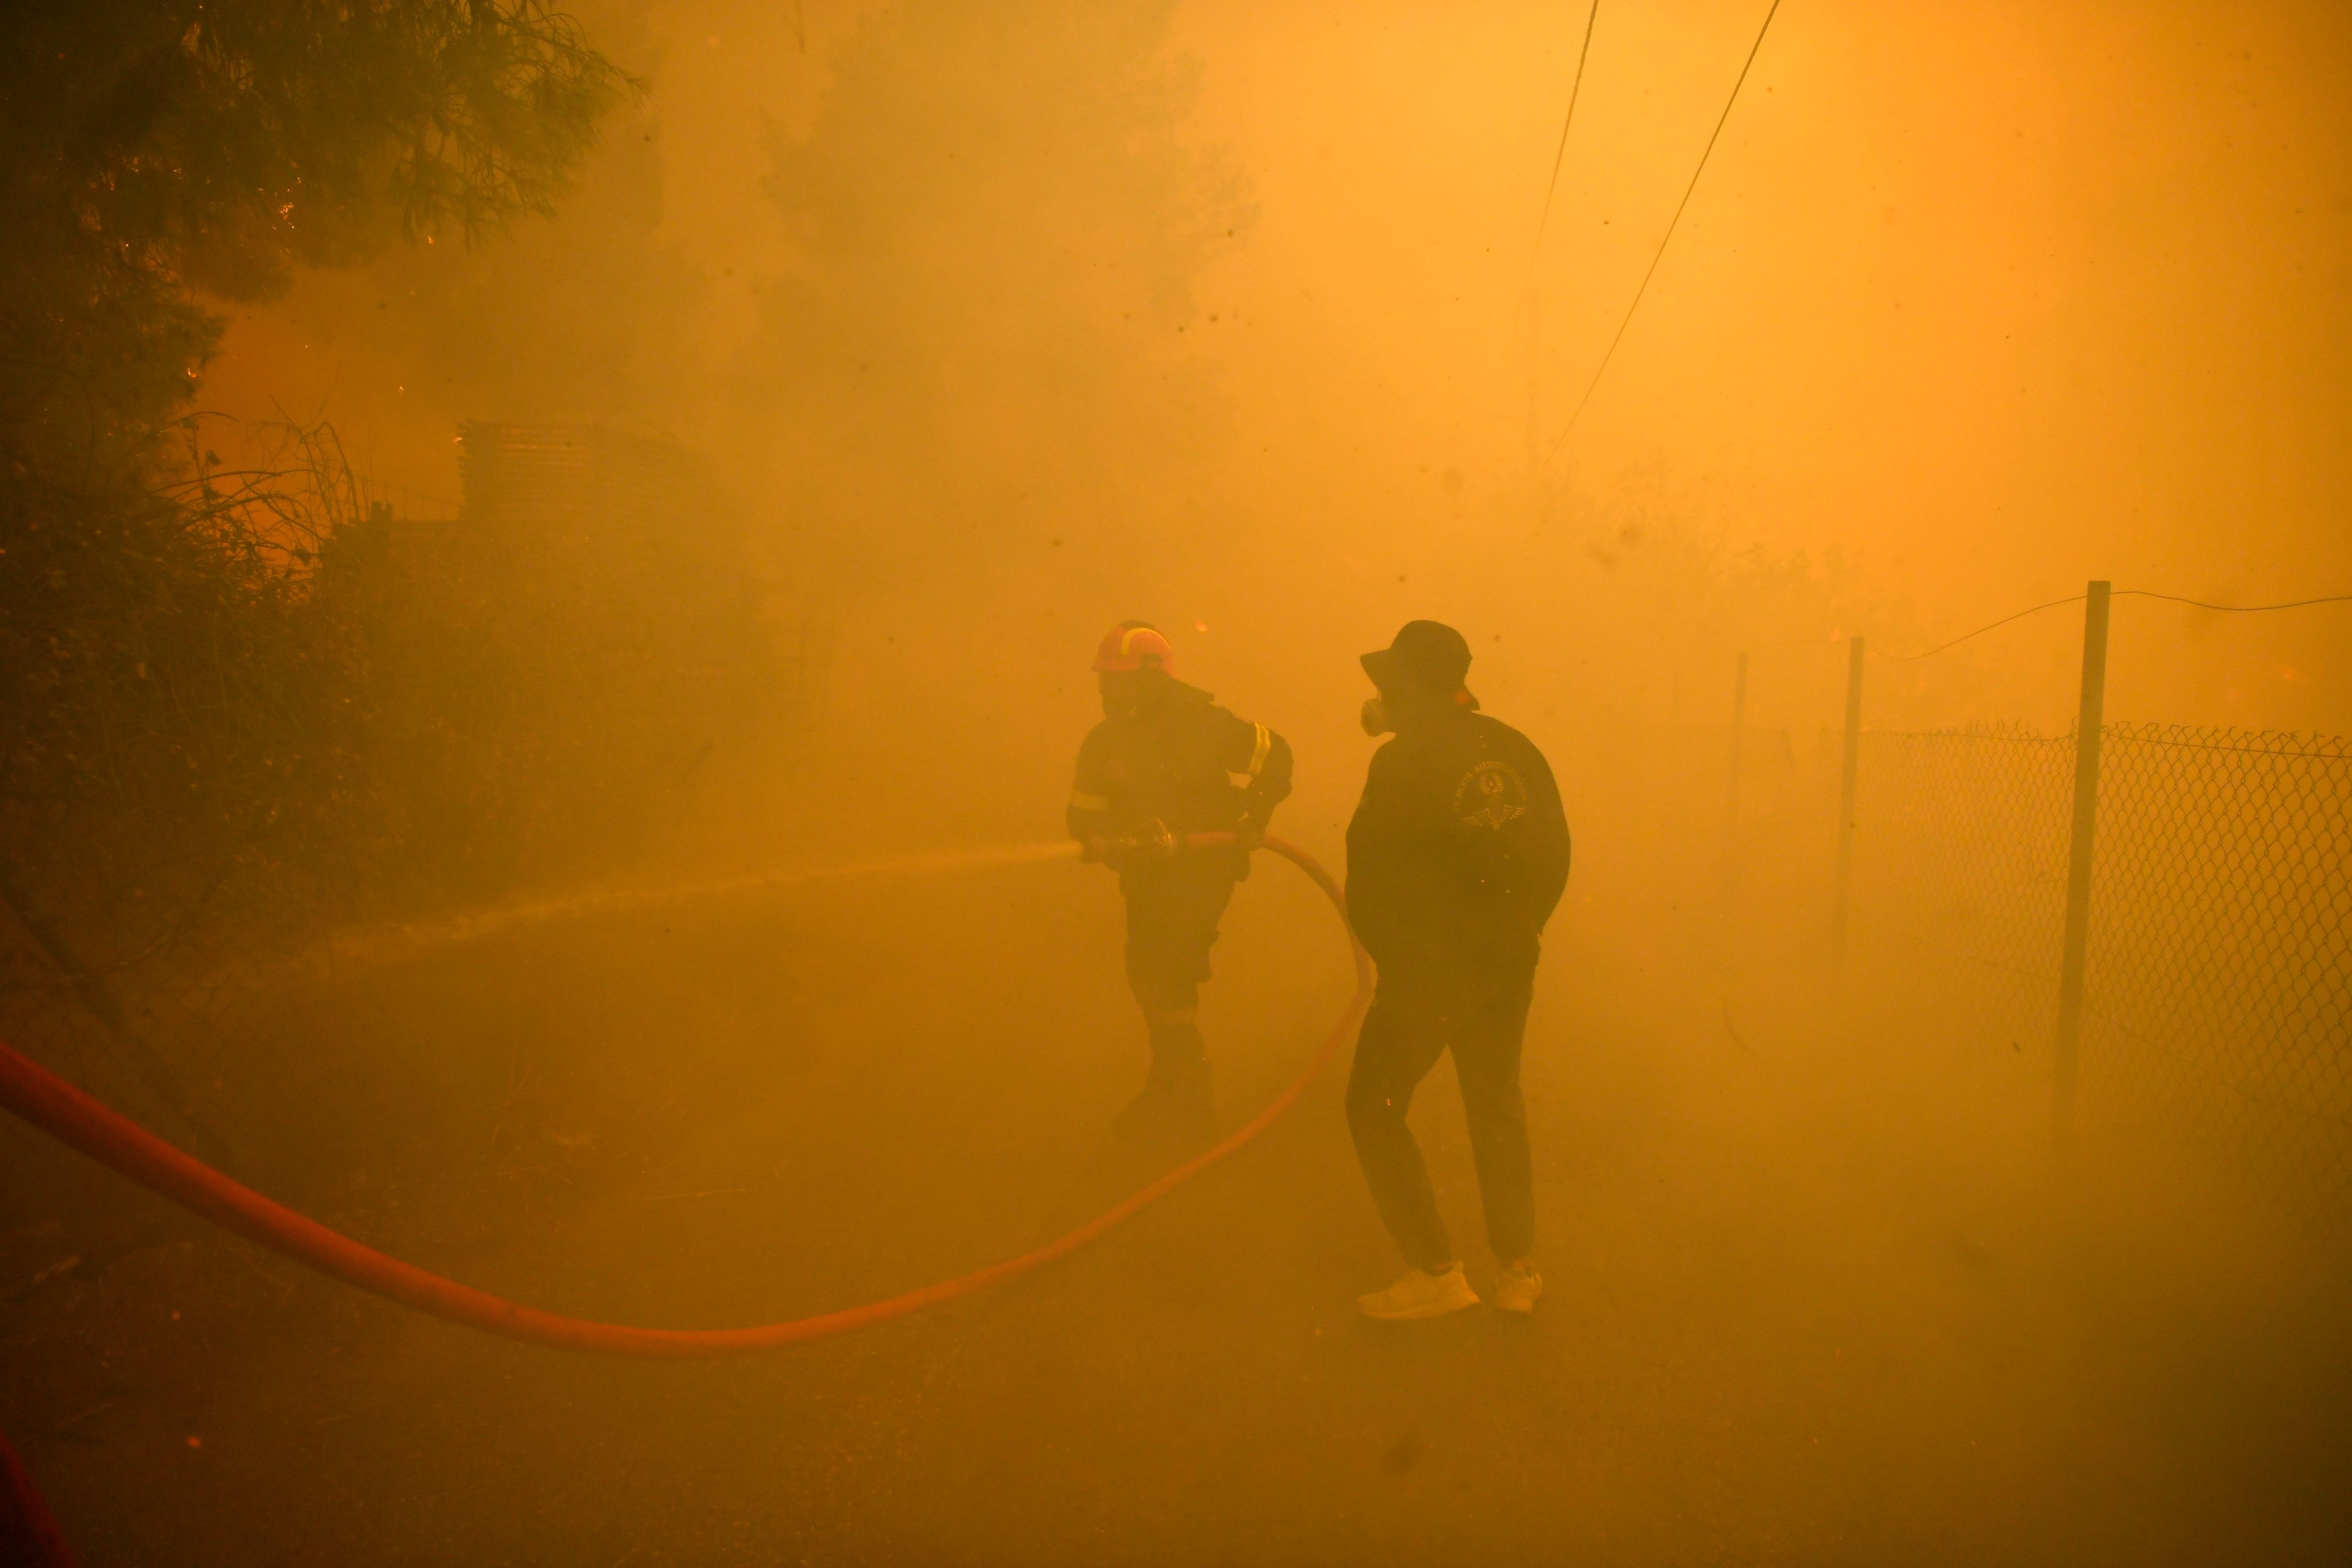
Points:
(1174, 1106)
(1193, 1116)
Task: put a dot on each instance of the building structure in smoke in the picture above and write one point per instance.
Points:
(601, 562)
(620, 512)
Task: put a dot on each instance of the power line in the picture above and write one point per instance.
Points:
(1535, 257)
(1575, 88)
(1670, 223)
(2231, 609)
(2131, 593)
(2070, 599)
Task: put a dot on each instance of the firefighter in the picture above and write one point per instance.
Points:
(1166, 762)
(1458, 855)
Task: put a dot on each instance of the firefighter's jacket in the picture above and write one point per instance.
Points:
(1182, 760)
(1458, 855)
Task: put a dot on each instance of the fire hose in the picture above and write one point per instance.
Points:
(80, 1121)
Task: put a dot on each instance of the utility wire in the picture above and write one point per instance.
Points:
(1670, 223)
(2231, 609)
(2130, 593)
(1535, 259)
(2070, 599)
(1574, 88)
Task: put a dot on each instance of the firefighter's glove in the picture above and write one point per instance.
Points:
(1249, 836)
(1152, 841)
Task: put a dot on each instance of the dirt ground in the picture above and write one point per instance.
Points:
(1800, 1311)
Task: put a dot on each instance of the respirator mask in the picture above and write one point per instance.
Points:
(1375, 717)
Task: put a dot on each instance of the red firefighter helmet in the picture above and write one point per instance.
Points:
(1131, 646)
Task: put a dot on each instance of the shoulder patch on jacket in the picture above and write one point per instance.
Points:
(1490, 794)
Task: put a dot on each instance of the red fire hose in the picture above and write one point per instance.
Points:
(29, 1532)
(74, 1118)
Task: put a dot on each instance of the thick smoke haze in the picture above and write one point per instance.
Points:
(678, 928)
(1200, 292)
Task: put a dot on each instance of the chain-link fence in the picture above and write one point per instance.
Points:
(2216, 1028)
(1960, 855)
(2219, 1006)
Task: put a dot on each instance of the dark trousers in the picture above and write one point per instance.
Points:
(1403, 1038)
(1172, 911)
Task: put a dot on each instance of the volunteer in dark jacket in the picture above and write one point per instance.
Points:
(1456, 857)
(1166, 762)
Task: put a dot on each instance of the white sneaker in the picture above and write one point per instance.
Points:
(1419, 1294)
(1518, 1286)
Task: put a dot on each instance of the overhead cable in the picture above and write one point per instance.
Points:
(1574, 89)
(2231, 609)
(2132, 594)
(2070, 599)
(1677, 218)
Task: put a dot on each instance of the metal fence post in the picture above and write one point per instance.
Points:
(1739, 734)
(2087, 719)
(1846, 798)
(1675, 723)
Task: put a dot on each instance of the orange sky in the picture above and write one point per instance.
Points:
(2016, 294)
